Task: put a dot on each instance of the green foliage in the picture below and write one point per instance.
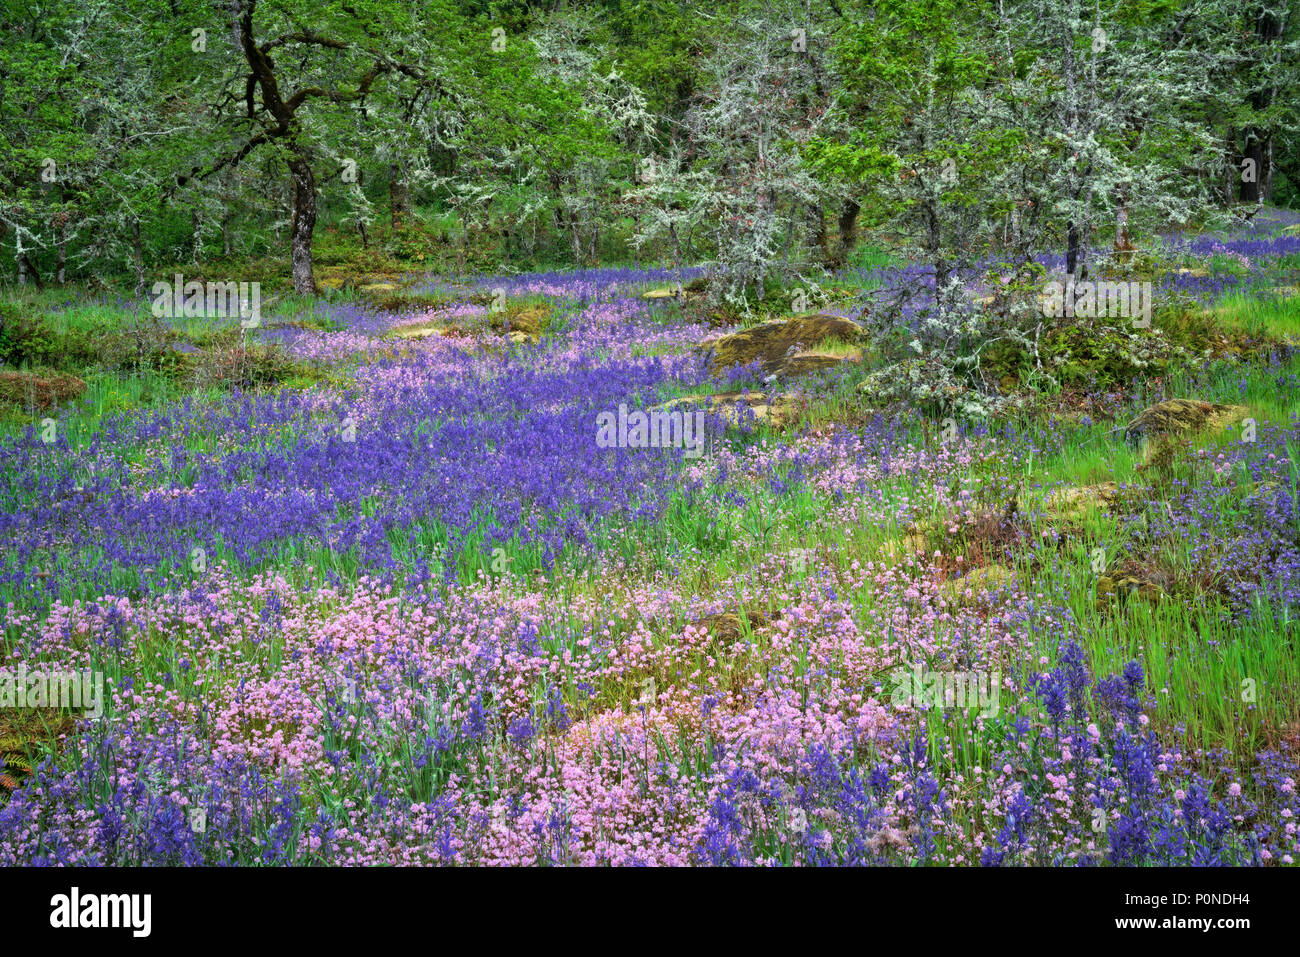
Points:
(958, 127)
(31, 341)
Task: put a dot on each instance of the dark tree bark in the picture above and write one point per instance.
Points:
(933, 245)
(399, 197)
(61, 251)
(848, 238)
(1123, 243)
(303, 225)
(1230, 173)
(1259, 140)
(1072, 251)
(1254, 153)
(137, 256)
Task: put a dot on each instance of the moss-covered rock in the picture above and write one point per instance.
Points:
(805, 363)
(410, 303)
(1070, 504)
(744, 407)
(1102, 353)
(727, 626)
(913, 543)
(692, 291)
(522, 324)
(776, 343)
(1123, 585)
(1181, 417)
(977, 585)
(420, 331)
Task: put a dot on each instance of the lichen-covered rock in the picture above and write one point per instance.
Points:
(1074, 502)
(1181, 417)
(804, 363)
(520, 324)
(1123, 584)
(977, 584)
(727, 626)
(745, 407)
(775, 343)
(912, 543)
(420, 331)
(691, 291)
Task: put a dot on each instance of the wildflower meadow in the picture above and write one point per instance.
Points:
(601, 434)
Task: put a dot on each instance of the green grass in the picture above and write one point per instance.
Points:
(1274, 317)
(867, 256)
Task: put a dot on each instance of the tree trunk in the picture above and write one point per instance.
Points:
(61, 254)
(1123, 245)
(848, 223)
(137, 256)
(818, 239)
(1255, 150)
(1073, 252)
(303, 220)
(1013, 232)
(26, 267)
(1266, 180)
(303, 225)
(61, 243)
(934, 249)
(1232, 170)
(399, 197)
(1259, 141)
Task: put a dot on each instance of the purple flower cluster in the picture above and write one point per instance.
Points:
(432, 446)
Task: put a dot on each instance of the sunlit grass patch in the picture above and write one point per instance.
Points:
(1275, 315)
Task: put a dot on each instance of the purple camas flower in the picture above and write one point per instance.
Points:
(521, 730)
